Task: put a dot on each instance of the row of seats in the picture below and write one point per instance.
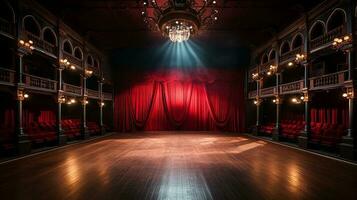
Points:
(321, 133)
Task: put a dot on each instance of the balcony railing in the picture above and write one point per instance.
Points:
(92, 93)
(266, 92)
(293, 87)
(73, 60)
(328, 38)
(7, 77)
(6, 27)
(41, 44)
(39, 83)
(328, 81)
(107, 96)
(72, 89)
(265, 67)
(252, 94)
(291, 54)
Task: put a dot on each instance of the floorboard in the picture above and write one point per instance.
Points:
(177, 165)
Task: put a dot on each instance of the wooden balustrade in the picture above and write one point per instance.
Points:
(328, 81)
(266, 92)
(39, 83)
(7, 77)
(92, 93)
(73, 60)
(252, 94)
(107, 96)
(41, 44)
(6, 27)
(72, 89)
(291, 55)
(328, 38)
(293, 87)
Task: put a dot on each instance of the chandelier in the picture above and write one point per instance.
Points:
(179, 19)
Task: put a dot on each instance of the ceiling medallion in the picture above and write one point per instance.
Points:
(179, 19)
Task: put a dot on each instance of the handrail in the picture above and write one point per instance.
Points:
(328, 80)
(73, 89)
(42, 44)
(268, 91)
(7, 75)
(40, 83)
(291, 87)
(72, 59)
(327, 37)
(93, 93)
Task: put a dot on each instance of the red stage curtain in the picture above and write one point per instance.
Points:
(177, 100)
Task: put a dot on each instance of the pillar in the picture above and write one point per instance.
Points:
(303, 139)
(277, 129)
(101, 104)
(61, 137)
(23, 143)
(257, 102)
(84, 128)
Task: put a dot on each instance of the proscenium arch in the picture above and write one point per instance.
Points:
(335, 14)
(78, 53)
(48, 29)
(314, 25)
(295, 45)
(285, 47)
(33, 20)
(65, 42)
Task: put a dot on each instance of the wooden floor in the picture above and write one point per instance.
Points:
(179, 166)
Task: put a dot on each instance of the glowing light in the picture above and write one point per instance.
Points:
(290, 64)
(26, 96)
(345, 95)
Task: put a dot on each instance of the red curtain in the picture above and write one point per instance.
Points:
(181, 100)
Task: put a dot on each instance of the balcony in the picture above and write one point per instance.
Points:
(72, 90)
(93, 94)
(328, 81)
(265, 67)
(268, 92)
(107, 96)
(39, 83)
(291, 88)
(7, 77)
(42, 45)
(327, 39)
(6, 27)
(73, 60)
(291, 55)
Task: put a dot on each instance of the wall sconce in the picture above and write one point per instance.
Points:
(272, 70)
(300, 58)
(295, 100)
(257, 101)
(21, 95)
(277, 100)
(349, 94)
(71, 101)
(88, 72)
(102, 104)
(341, 42)
(26, 46)
(61, 99)
(256, 76)
(290, 64)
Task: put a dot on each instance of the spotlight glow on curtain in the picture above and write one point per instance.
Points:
(181, 100)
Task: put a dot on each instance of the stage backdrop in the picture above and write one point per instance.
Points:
(178, 99)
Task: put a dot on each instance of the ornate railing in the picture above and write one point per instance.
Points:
(92, 93)
(265, 92)
(72, 89)
(41, 44)
(291, 54)
(7, 76)
(293, 87)
(328, 81)
(327, 38)
(107, 96)
(6, 27)
(39, 83)
(252, 94)
(73, 60)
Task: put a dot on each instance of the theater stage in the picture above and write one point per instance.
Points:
(177, 165)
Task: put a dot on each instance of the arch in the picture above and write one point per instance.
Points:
(96, 63)
(90, 60)
(49, 35)
(337, 18)
(272, 54)
(285, 47)
(298, 41)
(7, 12)
(265, 58)
(317, 29)
(78, 53)
(68, 47)
(31, 25)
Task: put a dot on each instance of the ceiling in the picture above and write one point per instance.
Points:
(113, 24)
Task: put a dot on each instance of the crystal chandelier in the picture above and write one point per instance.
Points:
(179, 19)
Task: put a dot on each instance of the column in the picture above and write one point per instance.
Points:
(257, 103)
(61, 137)
(303, 139)
(84, 128)
(277, 129)
(101, 104)
(23, 143)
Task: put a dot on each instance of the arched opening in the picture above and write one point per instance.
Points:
(272, 54)
(78, 53)
(90, 60)
(67, 47)
(297, 41)
(6, 12)
(264, 59)
(317, 30)
(336, 19)
(96, 63)
(285, 48)
(31, 25)
(50, 36)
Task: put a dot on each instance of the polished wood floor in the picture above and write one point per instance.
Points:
(180, 166)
